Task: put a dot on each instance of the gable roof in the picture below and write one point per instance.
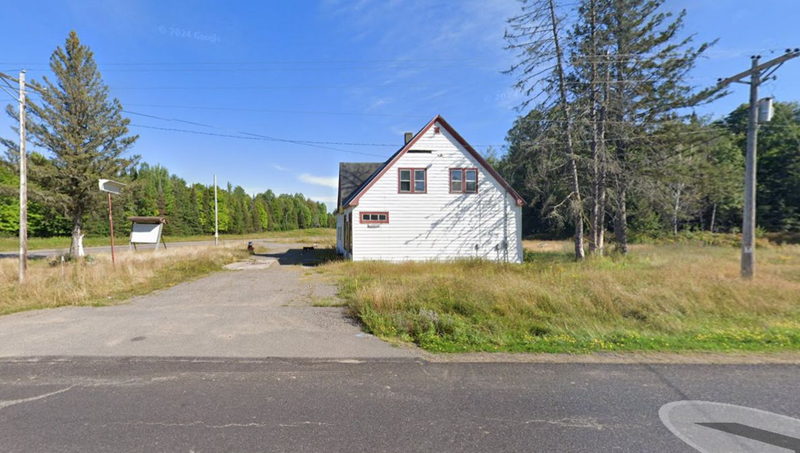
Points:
(352, 175)
(352, 199)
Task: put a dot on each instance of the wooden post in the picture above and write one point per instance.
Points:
(216, 214)
(748, 263)
(111, 224)
(23, 184)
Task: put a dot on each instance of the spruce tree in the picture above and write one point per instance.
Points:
(81, 129)
(648, 65)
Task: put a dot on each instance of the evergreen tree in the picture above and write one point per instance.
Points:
(648, 63)
(83, 131)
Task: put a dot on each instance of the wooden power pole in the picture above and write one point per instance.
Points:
(757, 76)
(216, 214)
(23, 184)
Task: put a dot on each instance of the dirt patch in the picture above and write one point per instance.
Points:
(251, 265)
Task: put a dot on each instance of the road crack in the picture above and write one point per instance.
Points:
(200, 423)
(7, 403)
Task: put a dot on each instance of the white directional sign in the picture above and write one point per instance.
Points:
(113, 187)
(718, 427)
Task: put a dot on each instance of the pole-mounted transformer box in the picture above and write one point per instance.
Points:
(765, 110)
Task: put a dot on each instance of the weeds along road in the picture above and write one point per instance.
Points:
(170, 404)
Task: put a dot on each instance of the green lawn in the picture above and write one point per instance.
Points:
(668, 297)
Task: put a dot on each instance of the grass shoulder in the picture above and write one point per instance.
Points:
(95, 282)
(662, 297)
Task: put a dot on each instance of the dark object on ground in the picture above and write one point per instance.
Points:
(250, 247)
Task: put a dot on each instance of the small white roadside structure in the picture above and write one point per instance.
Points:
(435, 198)
(147, 230)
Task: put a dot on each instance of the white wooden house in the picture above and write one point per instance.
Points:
(435, 198)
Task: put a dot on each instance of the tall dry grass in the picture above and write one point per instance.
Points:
(660, 297)
(95, 281)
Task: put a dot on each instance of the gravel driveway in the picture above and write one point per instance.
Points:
(265, 311)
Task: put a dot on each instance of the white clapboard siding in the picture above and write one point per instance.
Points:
(438, 224)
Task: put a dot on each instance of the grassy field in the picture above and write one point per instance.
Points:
(324, 236)
(95, 282)
(666, 297)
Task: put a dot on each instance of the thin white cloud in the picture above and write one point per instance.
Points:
(332, 182)
(279, 167)
(379, 102)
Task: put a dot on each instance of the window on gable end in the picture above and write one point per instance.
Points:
(463, 180)
(456, 180)
(412, 180)
(470, 180)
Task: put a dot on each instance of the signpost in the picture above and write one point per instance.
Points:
(115, 188)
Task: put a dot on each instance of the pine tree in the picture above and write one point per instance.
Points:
(648, 65)
(83, 131)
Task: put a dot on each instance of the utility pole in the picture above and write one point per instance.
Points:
(757, 76)
(216, 214)
(23, 184)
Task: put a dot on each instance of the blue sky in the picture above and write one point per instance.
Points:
(334, 71)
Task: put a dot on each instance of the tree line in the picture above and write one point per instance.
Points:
(83, 136)
(608, 140)
(153, 191)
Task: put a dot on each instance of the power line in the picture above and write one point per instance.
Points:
(712, 54)
(298, 112)
(266, 137)
(247, 137)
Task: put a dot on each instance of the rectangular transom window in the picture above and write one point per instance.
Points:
(412, 180)
(463, 180)
(375, 217)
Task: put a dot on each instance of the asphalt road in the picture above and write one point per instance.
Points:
(170, 404)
